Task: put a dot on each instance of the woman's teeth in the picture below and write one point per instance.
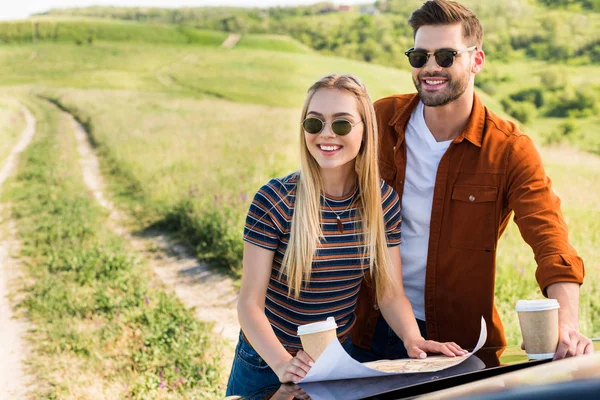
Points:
(329, 148)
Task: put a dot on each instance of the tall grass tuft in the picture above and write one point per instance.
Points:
(214, 233)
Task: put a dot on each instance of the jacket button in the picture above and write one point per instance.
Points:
(471, 198)
(375, 307)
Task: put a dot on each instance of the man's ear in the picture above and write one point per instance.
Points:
(479, 60)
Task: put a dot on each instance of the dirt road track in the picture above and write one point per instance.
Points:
(13, 380)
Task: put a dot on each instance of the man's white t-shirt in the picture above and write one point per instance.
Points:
(423, 155)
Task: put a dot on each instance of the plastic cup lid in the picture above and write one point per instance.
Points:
(536, 305)
(317, 327)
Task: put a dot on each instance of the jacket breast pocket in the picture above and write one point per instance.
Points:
(473, 217)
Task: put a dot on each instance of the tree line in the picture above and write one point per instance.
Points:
(551, 30)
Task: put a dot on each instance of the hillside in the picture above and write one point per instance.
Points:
(537, 51)
(86, 31)
(541, 29)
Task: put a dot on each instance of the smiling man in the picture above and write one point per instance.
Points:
(461, 171)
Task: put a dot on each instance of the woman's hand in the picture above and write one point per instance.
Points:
(294, 369)
(418, 348)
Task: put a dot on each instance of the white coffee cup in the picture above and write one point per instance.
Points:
(316, 337)
(539, 326)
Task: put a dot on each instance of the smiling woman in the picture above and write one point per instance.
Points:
(312, 236)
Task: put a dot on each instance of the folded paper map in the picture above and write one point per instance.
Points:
(334, 363)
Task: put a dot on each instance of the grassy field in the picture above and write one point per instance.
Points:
(530, 74)
(186, 135)
(102, 327)
(283, 44)
(576, 179)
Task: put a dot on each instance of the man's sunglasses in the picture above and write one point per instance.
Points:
(444, 58)
(339, 126)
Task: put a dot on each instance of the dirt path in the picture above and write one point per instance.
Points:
(13, 380)
(212, 295)
(231, 40)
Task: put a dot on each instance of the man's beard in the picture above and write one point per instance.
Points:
(454, 89)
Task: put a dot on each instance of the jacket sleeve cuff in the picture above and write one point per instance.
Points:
(559, 268)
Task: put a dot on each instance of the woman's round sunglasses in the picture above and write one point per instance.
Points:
(444, 58)
(339, 126)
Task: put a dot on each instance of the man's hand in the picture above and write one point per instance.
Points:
(572, 343)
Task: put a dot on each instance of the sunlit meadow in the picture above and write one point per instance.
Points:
(186, 133)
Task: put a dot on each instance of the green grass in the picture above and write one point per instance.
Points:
(203, 132)
(202, 37)
(12, 124)
(160, 175)
(279, 43)
(103, 66)
(102, 328)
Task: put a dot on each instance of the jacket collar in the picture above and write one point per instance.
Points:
(473, 130)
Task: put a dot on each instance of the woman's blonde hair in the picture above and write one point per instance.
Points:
(306, 221)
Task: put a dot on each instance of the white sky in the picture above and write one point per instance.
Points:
(18, 9)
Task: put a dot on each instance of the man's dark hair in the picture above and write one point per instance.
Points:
(444, 12)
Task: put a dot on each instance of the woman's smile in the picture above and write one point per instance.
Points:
(329, 149)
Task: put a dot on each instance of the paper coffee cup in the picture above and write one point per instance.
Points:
(539, 327)
(316, 337)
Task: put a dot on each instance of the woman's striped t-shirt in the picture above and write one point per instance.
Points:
(338, 266)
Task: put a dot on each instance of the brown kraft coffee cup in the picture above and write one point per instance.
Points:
(316, 337)
(539, 326)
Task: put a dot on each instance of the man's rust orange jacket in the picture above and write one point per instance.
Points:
(489, 171)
